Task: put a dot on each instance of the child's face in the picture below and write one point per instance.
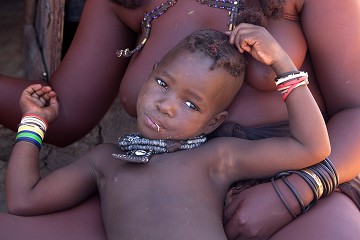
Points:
(181, 98)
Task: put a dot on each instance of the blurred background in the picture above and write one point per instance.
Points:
(17, 40)
(12, 63)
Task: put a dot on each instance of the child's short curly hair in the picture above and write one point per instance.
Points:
(216, 45)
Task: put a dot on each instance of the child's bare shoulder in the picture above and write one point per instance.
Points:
(226, 141)
(101, 155)
(223, 147)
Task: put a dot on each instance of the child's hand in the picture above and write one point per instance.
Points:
(40, 100)
(258, 42)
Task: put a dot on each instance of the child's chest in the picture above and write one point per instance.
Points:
(172, 188)
(164, 176)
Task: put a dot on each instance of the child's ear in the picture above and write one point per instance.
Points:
(216, 121)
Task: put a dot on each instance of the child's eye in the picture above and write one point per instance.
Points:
(192, 106)
(161, 83)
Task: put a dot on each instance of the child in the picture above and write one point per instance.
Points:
(179, 194)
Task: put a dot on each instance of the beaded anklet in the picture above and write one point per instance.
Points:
(139, 149)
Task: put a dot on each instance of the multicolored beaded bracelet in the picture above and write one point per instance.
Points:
(32, 129)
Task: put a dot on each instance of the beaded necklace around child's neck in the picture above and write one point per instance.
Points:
(234, 7)
(139, 149)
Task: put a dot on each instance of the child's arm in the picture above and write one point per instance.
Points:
(26, 192)
(309, 143)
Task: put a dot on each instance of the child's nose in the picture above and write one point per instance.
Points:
(167, 107)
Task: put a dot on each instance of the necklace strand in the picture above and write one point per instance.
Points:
(139, 149)
(146, 27)
(234, 7)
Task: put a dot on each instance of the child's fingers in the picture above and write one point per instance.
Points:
(230, 34)
(44, 91)
(240, 37)
(49, 96)
(54, 103)
(32, 89)
(43, 100)
(235, 39)
(40, 92)
(46, 98)
(242, 42)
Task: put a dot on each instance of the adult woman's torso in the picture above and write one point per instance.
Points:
(257, 102)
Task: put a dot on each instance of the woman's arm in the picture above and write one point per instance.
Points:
(87, 80)
(333, 39)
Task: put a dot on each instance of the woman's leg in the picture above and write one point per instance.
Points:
(81, 222)
(334, 217)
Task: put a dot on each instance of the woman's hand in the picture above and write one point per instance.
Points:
(255, 213)
(40, 100)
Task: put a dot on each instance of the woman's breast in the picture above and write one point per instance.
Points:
(256, 102)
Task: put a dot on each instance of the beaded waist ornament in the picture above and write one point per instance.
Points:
(139, 149)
